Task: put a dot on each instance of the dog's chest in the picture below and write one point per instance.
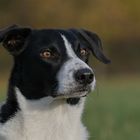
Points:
(59, 123)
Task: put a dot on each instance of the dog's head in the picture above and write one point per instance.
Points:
(52, 62)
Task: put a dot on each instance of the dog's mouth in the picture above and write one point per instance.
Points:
(80, 92)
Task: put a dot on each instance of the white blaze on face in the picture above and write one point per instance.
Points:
(66, 80)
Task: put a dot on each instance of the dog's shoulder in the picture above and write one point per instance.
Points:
(7, 110)
(1, 105)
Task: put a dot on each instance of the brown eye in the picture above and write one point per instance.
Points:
(83, 52)
(46, 54)
(50, 54)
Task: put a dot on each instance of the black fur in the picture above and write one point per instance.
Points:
(10, 108)
(33, 75)
(93, 41)
(73, 101)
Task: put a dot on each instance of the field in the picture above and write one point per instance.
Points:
(112, 110)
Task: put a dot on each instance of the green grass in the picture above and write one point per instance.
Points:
(113, 111)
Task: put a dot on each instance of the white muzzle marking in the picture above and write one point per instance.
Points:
(67, 83)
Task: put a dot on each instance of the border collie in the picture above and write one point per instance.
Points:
(48, 83)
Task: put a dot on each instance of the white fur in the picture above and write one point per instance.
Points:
(67, 83)
(50, 118)
(45, 119)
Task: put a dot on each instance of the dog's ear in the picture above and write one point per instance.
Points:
(92, 41)
(13, 38)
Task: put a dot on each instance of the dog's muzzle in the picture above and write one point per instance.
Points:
(79, 85)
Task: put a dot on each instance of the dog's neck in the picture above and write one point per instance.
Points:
(46, 105)
(47, 118)
(50, 119)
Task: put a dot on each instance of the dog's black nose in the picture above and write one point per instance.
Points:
(84, 76)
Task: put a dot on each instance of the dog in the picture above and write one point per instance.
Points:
(49, 82)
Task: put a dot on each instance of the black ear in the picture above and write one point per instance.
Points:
(13, 38)
(92, 41)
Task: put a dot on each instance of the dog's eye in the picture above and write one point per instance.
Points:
(84, 52)
(46, 54)
(49, 54)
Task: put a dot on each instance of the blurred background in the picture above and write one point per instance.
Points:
(113, 109)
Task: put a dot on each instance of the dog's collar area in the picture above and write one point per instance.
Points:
(73, 101)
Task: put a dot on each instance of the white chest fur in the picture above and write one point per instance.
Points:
(46, 119)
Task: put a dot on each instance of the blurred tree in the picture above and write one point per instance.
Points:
(117, 22)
